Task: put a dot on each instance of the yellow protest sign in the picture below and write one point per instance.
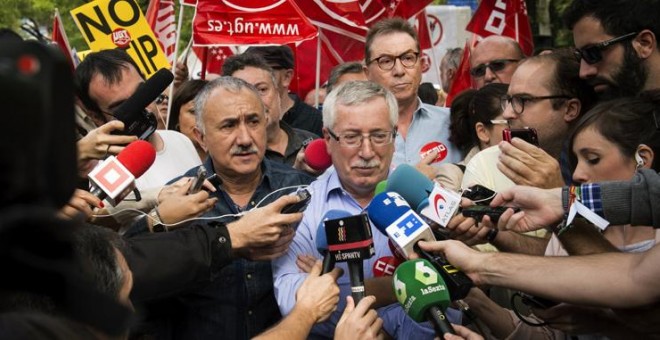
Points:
(82, 54)
(107, 24)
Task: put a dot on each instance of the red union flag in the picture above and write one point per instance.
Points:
(407, 8)
(374, 10)
(215, 57)
(59, 37)
(423, 33)
(343, 17)
(506, 18)
(342, 33)
(250, 22)
(160, 15)
(463, 80)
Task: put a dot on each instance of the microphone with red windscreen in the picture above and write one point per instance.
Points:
(114, 178)
(316, 155)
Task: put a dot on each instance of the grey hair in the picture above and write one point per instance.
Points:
(357, 92)
(453, 57)
(231, 84)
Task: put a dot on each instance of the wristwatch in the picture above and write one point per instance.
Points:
(157, 224)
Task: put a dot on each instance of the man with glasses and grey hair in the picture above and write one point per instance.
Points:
(494, 60)
(359, 125)
(617, 44)
(392, 59)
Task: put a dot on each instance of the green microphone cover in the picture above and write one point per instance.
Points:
(418, 286)
(380, 187)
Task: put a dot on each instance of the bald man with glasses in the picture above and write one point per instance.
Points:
(494, 60)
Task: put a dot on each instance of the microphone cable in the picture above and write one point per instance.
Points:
(472, 317)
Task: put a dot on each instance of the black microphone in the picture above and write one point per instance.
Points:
(322, 241)
(350, 240)
(137, 121)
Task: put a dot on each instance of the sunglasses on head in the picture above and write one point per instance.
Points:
(496, 65)
(594, 53)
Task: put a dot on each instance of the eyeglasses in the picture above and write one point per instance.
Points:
(354, 140)
(496, 65)
(162, 98)
(386, 62)
(594, 53)
(517, 102)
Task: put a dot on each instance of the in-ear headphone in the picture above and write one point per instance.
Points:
(639, 160)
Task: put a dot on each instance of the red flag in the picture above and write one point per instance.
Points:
(343, 17)
(374, 10)
(423, 33)
(215, 58)
(160, 15)
(407, 8)
(462, 80)
(506, 18)
(342, 31)
(59, 37)
(232, 22)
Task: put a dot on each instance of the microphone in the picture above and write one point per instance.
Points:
(427, 198)
(350, 240)
(421, 291)
(392, 216)
(380, 187)
(114, 178)
(137, 121)
(322, 241)
(316, 155)
(385, 266)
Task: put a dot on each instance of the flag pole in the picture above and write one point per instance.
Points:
(205, 58)
(318, 68)
(176, 51)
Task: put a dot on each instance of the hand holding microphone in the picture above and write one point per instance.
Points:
(359, 321)
(314, 158)
(99, 143)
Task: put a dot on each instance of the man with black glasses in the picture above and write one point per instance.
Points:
(545, 94)
(617, 44)
(392, 60)
(494, 60)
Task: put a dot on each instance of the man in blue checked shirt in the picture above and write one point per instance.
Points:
(359, 121)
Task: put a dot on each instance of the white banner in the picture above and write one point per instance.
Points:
(447, 29)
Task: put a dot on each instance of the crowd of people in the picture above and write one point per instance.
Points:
(222, 258)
